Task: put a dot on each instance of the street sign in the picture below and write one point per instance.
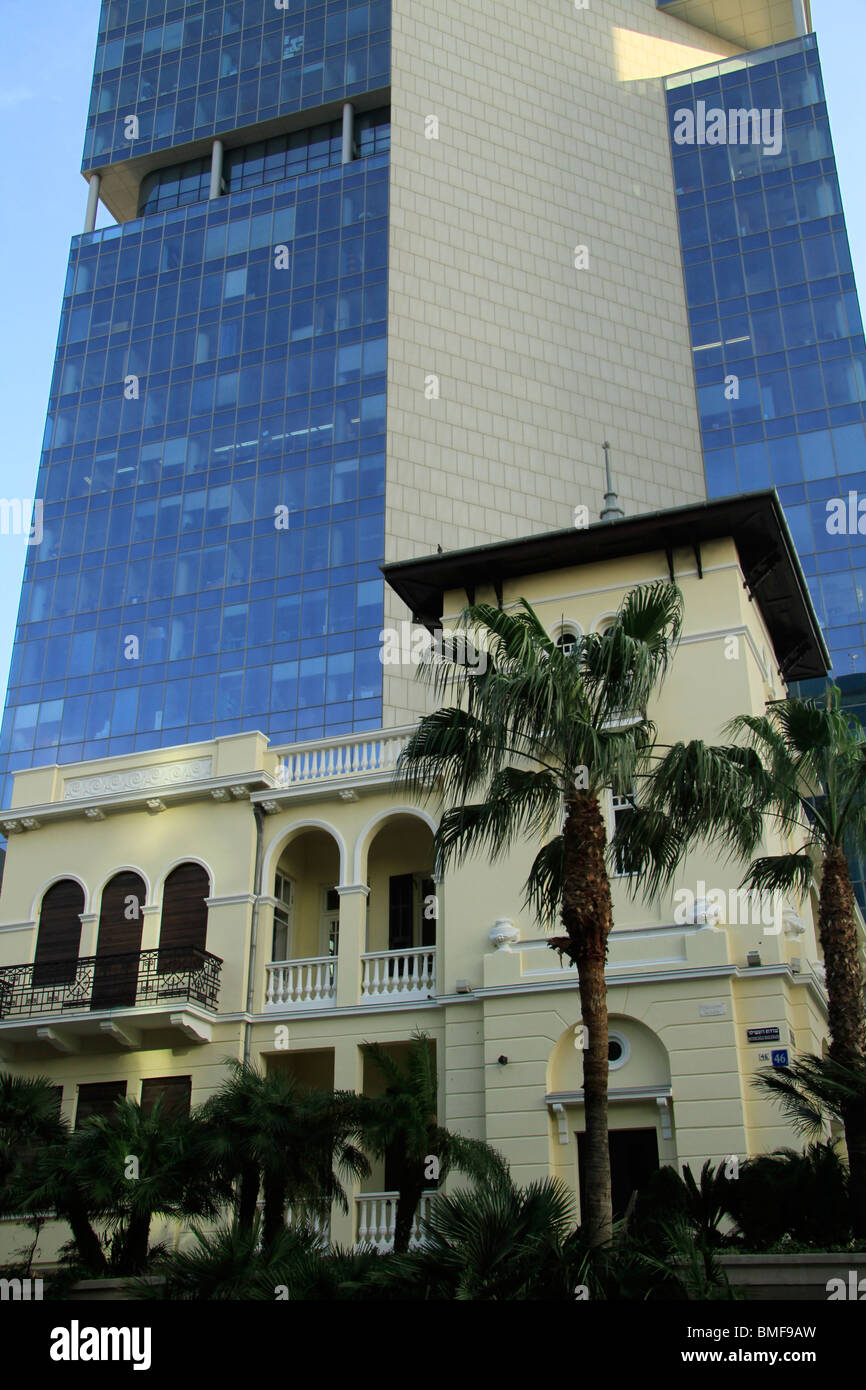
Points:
(762, 1035)
(779, 1056)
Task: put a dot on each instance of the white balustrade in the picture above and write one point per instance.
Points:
(352, 756)
(396, 974)
(377, 1217)
(302, 984)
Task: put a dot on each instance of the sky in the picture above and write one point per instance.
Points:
(44, 92)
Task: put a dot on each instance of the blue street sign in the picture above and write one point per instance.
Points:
(779, 1057)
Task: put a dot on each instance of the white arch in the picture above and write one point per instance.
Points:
(603, 620)
(49, 883)
(365, 837)
(290, 833)
(121, 869)
(185, 859)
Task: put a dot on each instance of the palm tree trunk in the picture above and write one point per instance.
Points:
(87, 1242)
(587, 915)
(846, 1011)
(133, 1257)
(275, 1209)
(407, 1204)
(248, 1196)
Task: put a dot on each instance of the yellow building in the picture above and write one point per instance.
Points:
(163, 911)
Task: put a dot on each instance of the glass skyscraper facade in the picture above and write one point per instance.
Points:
(780, 357)
(214, 460)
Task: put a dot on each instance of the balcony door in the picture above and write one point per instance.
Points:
(409, 924)
(118, 945)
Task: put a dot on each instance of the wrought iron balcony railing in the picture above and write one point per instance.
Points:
(166, 975)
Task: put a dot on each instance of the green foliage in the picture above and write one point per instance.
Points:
(803, 1196)
(508, 749)
(801, 768)
(812, 1090)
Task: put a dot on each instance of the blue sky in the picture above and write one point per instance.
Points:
(43, 102)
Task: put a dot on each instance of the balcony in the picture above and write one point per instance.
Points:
(366, 759)
(376, 1216)
(387, 977)
(392, 975)
(302, 984)
(61, 1002)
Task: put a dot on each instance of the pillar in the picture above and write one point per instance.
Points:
(352, 942)
(216, 170)
(92, 202)
(348, 133)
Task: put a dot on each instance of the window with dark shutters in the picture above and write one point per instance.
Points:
(59, 937)
(175, 1092)
(97, 1098)
(183, 928)
(119, 942)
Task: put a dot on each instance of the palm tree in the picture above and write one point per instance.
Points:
(495, 1242)
(265, 1132)
(36, 1175)
(402, 1126)
(29, 1117)
(140, 1164)
(799, 770)
(542, 734)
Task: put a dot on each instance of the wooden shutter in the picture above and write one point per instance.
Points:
(97, 1098)
(175, 1092)
(184, 917)
(59, 937)
(115, 980)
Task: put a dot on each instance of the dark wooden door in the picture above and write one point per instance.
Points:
(59, 938)
(118, 945)
(634, 1157)
(183, 929)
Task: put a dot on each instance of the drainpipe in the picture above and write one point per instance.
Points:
(259, 817)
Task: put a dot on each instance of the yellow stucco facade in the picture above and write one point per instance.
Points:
(330, 836)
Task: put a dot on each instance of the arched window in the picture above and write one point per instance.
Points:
(119, 941)
(183, 928)
(566, 636)
(59, 937)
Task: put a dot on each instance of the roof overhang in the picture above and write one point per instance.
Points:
(754, 521)
(748, 23)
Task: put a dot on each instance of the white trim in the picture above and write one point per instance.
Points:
(614, 1036)
(364, 838)
(49, 883)
(290, 833)
(18, 926)
(159, 894)
(123, 869)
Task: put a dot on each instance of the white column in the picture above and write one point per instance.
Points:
(348, 133)
(351, 942)
(92, 202)
(216, 170)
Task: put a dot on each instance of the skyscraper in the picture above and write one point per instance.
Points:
(386, 283)
(384, 280)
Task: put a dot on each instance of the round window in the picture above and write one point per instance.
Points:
(617, 1051)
